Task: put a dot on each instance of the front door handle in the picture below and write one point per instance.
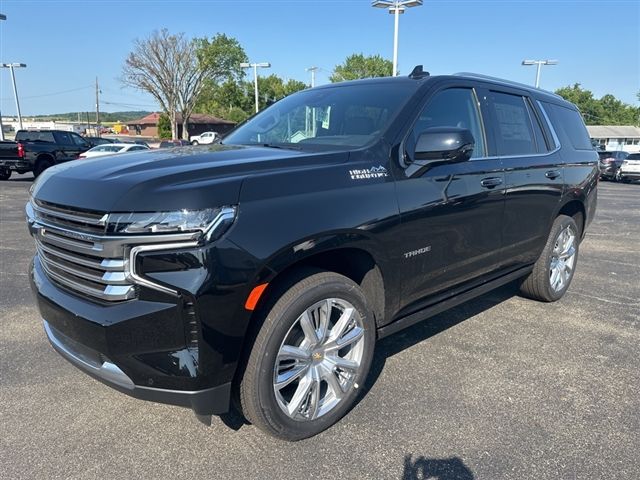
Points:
(552, 174)
(491, 182)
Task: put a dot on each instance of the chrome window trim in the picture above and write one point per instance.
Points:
(556, 140)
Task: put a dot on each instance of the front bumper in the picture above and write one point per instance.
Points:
(181, 350)
(209, 401)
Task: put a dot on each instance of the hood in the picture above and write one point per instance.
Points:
(170, 179)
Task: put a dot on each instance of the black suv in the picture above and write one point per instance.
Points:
(264, 269)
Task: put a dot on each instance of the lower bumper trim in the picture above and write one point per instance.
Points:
(210, 401)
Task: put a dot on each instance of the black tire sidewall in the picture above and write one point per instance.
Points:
(293, 429)
(41, 166)
(5, 174)
(561, 223)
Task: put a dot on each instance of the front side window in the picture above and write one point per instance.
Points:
(514, 134)
(78, 140)
(338, 116)
(454, 107)
(64, 138)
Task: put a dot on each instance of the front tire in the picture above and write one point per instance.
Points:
(5, 174)
(553, 271)
(195, 142)
(309, 359)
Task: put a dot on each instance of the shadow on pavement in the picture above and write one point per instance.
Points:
(435, 468)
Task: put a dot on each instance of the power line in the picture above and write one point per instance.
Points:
(54, 93)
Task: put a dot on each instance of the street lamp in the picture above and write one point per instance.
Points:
(396, 7)
(12, 66)
(255, 75)
(2, 17)
(539, 64)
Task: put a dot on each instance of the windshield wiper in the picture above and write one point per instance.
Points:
(281, 146)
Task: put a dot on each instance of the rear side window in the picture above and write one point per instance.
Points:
(64, 138)
(514, 133)
(35, 137)
(569, 124)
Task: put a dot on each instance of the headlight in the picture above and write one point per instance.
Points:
(212, 222)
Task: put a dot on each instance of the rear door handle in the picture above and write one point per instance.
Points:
(552, 174)
(491, 182)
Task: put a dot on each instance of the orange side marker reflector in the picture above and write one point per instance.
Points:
(254, 296)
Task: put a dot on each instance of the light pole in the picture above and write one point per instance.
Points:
(2, 17)
(12, 66)
(255, 75)
(396, 7)
(539, 64)
(313, 75)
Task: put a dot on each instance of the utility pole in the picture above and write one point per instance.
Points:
(313, 75)
(97, 107)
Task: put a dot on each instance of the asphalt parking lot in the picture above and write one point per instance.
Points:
(500, 387)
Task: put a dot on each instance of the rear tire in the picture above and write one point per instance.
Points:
(309, 358)
(553, 271)
(5, 174)
(41, 166)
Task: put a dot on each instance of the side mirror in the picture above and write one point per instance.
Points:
(444, 144)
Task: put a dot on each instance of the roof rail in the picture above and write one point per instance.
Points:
(503, 81)
(418, 72)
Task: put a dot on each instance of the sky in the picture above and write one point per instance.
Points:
(66, 44)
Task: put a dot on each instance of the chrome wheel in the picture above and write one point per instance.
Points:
(563, 259)
(319, 359)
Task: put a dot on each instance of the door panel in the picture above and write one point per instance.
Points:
(451, 226)
(451, 214)
(534, 175)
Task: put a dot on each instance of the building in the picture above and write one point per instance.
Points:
(198, 123)
(614, 137)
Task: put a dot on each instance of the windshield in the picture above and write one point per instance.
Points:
(349, 115)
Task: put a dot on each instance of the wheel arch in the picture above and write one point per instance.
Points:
(354, 263)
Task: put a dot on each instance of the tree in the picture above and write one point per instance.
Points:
(607, 110)
(234, 100)
(358, 66)
(173, 69)
(164, 126)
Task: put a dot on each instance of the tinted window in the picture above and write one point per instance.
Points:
(342, 115)
(569, 124)
(35, 137)
(64, 138)
(78, 140)
(455, 107)
(514, 135)
(541, 144)
(634, 156)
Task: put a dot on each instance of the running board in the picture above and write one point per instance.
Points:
(450, 302)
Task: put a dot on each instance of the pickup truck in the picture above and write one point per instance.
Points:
(36, 150)
(205, 138)
(258, 273)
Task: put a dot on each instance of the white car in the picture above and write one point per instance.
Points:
(112, 149)
(630, 168)
(204, 138)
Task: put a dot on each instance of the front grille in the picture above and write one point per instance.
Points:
(75, 254)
